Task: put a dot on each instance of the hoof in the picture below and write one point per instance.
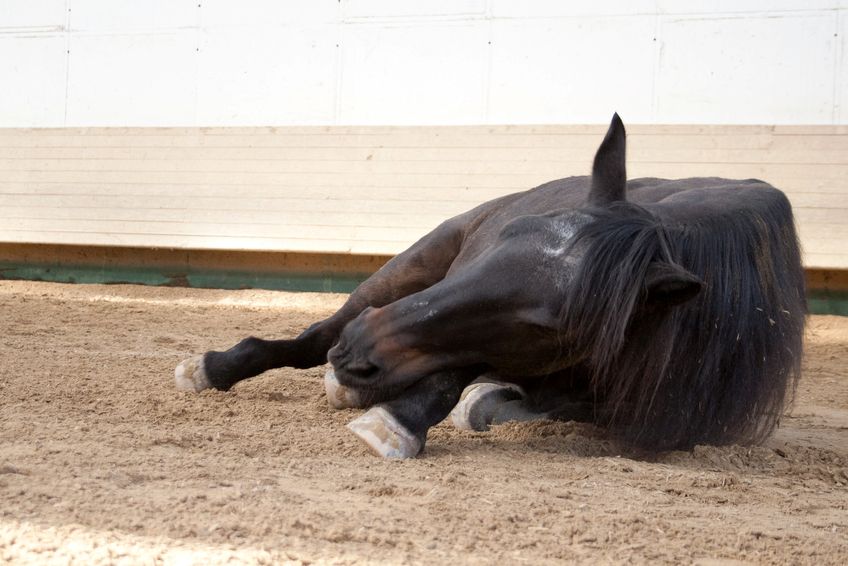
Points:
(384, 435)
(478, 403)
(339, 396)
(190, 375)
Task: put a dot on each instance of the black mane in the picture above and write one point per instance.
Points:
(713, 370)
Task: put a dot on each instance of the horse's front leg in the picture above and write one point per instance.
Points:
(419, 267)
(253, 356)
(398, 428)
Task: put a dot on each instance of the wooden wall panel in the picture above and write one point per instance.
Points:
(368, 190)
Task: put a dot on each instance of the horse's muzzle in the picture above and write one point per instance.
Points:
(352, 356)
(351, 370)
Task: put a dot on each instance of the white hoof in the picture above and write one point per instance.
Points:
(339, 396)
(384, 435)
(461, 415)
(190, 375)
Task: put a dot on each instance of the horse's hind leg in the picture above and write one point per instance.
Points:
(419, 267)
(398, 428)
(522, 411)
(489, 402)
(481, 400)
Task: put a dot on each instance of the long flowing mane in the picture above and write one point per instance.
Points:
(715, 369)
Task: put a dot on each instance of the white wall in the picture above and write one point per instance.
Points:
(297, 62)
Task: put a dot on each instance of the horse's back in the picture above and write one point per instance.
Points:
(700, 197)
(677, 200)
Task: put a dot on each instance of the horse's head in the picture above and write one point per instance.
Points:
(532, 302)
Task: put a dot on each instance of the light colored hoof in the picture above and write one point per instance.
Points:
(472, 396)
(190, 375)
(384, 435)
(339, 396)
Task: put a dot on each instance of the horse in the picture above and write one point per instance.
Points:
(670, 312)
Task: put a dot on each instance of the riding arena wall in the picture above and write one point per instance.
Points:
(292, 145)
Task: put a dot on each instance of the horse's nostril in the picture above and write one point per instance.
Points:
(361, 370)
(334, 355)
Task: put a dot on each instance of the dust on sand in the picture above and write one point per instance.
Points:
(103, 461)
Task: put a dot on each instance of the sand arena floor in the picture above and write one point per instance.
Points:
(103, 461)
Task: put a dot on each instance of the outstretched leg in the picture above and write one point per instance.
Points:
(419, 267)
(398, 428)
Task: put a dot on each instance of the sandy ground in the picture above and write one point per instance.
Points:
(103, 461)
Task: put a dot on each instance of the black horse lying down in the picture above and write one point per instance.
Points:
(671, 312)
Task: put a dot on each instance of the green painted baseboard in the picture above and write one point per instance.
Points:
(820, 301)
(827, 302)
(200, 278)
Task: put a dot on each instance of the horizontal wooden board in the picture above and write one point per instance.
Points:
(369, 189)
(52, 205)
(783, 176)
(683, 150)
(453, 161)
(282, 230)
(223, 217)
(202, 242)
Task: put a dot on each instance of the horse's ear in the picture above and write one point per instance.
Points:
(609, 176)
(669, 285)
